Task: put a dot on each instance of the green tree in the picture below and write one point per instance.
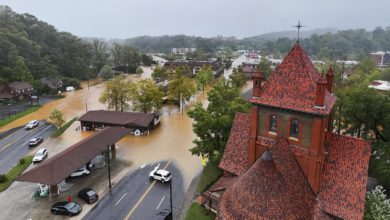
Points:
(237, 78)
(117, 94)
(100, 55)
(180, 89)
(379, 163)
(204, 76)
(212, 125)
(365, 112)
(146, 96)
(20, 71)
(139, 70)
(160, 72)
(377, 205)
(265, 68)
(56, 118)
(106, 72)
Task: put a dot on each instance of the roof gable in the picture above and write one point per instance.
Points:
(292, 85)
(234, 159)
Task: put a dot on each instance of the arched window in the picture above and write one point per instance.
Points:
(272, 123)
(294, 128)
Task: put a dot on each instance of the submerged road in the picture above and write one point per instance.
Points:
(15, 144)
(136, 197)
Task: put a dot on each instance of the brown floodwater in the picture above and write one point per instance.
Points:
(172, 139)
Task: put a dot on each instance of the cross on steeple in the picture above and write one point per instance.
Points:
(298, 26)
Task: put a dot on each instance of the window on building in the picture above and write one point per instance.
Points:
(272, 123)
(294, 128)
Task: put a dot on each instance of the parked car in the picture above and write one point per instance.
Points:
(83, 171)
(88, 195)
(66, 208)
(35, 141)
(161, 175)
(40, 155)
(32, 124)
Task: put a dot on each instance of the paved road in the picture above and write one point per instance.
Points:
(15, 145)
(135, 197)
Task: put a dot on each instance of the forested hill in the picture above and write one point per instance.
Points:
(30, 49)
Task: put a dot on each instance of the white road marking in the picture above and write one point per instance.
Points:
(120, 199)
(143, 166)
(160, 203)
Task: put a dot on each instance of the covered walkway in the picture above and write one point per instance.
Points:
(57, 168)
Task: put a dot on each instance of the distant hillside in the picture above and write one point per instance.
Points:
(292, 34)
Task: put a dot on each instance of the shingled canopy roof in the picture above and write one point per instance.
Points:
(292, 85)
(118, 118)
(60, 166)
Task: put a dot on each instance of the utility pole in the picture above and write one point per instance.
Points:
(109, 170)
(170, 197)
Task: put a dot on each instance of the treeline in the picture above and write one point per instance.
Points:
(31, 49)
(346, 44)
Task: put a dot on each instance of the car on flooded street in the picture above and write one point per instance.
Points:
(40, 155)
(88, 195)
(161, 175)
(35, 141)
(66, 208)
(32, 124)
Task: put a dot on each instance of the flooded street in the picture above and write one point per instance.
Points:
(172, 139)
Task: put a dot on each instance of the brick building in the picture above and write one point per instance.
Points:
(282, 160)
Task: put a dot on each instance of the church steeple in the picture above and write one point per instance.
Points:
(257, 78)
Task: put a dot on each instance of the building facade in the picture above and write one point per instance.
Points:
(282, 160)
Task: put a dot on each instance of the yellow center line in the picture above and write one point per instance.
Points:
(143, 195)
(13, 142)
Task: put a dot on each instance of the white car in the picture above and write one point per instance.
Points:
(83, 171)
(161, 175)
(32, 124)
(35, 141)
(40, 155)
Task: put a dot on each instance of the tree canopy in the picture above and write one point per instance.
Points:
(146, 96)
(212, 125)
(117, 94)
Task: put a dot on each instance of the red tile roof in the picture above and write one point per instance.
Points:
(274, 189)
(343, 189)
(292, 85)
(234, 159)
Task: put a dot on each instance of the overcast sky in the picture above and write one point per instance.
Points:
(240, 18)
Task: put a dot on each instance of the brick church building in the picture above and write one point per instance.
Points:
(282, 160)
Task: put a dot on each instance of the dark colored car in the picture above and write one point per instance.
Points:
(66, 208)
(164, 215)
(88, 195)
(35, 141)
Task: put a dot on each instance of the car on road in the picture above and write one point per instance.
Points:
(161, 175)
(32, 124)
(35, 141)
(83, 171)
(164, 215)
(88, 195)
(66, 208)
(40, 155)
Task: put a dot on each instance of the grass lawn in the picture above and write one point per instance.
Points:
(211, 173)
(198, 212)
(18, 115)
(58, 132)
(15, 172)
